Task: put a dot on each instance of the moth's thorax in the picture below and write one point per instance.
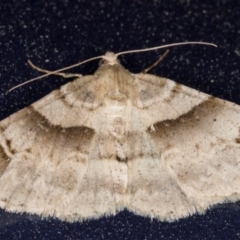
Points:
(117, 82)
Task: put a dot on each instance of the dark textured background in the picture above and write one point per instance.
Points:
(54, 34)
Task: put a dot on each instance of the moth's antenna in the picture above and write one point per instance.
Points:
(166, 46)
(157, 62)
(121, 53)
(56, 71)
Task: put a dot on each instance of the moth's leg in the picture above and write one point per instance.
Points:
(155, 63)
(65, 75)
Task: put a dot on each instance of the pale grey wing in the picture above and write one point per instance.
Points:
(50, 167)
(197, 160)
(201, 151)
(162, 99)
(74, 104)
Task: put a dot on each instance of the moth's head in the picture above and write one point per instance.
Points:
(109, 58)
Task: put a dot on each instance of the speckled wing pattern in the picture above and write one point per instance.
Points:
(116, 140)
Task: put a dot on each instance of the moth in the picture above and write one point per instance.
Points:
(116, 140)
